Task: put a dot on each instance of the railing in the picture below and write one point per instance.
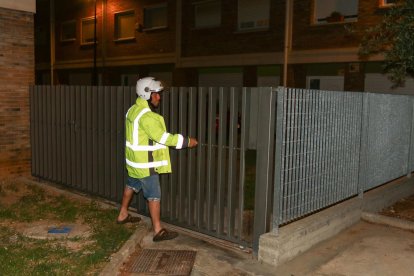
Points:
(334, 145)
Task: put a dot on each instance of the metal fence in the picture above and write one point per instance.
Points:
(334, 145)
(77, 137)
(265, 157)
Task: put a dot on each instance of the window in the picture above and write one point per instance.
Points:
(253, 15)
(334, 11)
(155, 17)
(125, 25)
(88, 31)
(207, 14)
(387, 3)
(68, 31)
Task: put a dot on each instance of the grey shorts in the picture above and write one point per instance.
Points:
(149, 185)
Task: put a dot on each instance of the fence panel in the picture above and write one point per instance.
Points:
(389, 130)
(317, 150)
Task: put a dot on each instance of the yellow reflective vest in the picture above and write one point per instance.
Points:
(147, 141)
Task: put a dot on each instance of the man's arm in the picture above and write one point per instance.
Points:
(156, 132)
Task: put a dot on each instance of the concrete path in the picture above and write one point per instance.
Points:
(364, 249)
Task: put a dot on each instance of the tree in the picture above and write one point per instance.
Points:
(394, 38)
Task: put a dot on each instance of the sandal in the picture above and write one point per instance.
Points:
(164, 235)
(129, 219)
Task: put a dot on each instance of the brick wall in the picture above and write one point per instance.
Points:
(17, 73)
(146, 42)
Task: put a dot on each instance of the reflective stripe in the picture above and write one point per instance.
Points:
(147, 165)
(164, 138)
(145, 148)
(135, 132)
(180, 141)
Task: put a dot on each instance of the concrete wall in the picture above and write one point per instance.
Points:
(17, 64)
(297, 237)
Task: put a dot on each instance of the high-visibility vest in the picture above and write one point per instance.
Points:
(146, 134)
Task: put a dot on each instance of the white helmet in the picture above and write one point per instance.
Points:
(146, 86)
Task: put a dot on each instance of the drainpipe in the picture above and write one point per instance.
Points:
(288, 38)
(52, 42)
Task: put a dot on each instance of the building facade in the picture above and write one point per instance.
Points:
(304, 44)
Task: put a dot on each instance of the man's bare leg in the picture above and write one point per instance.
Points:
(155, 208)
(126, 199)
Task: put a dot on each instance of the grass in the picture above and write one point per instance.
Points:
(21, 255)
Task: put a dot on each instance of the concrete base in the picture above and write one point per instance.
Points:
(297, 237)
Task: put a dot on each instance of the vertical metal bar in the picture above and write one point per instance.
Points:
(289, 155)
(182, 195)
(244, 126)
(112, 154)
(264, 163)
(304, 152)
(295, 145)
(278, 181)
(322, 146)
(33, 125)
(47, 137)
(59, 131)
(89, 137)
(338, 158)
(54, 130)
(68, 140)
(94, 145)
(410, 149)
(53, 134)
(42, 132)
(363, 167)
(212, 97)
(231, 196)
(106, 95)
(317, 148)
(100, 96)
(120, 142)
(192, 101)
(72, 144)
(221, 156)
(83, 133)
(201, 163)
(78, 142)
(166, 203)
(64, 135)
(174, 160)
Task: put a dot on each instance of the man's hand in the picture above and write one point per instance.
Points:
(192, 143)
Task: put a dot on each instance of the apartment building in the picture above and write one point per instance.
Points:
(302, 43)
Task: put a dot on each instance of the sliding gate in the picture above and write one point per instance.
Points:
(77, 136)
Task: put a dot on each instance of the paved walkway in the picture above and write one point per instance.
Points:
(363, 249)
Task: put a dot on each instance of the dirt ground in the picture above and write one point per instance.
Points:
(403, 209)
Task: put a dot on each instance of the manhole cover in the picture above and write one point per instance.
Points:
(165, 262)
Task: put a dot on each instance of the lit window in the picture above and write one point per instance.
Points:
(125, 25)
(155, 17)
(68, 31)
(386, 3)
(336, 11)
(207, 14)
(88, 31)
(253, 14)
